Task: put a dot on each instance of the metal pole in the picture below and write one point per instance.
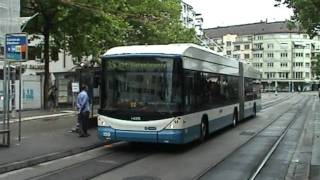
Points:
(9, 95)
(20, 99)
(4, 109)
(73, 98)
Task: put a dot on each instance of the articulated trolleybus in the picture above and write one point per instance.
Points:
(173, 93)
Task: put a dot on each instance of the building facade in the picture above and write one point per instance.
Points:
(285, 57)
(190, 19)
(9, 20)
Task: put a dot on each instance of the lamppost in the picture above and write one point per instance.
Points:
(27, 19)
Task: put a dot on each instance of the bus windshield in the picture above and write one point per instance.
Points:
(140, 84)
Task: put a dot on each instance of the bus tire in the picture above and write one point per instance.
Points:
(235, 119)
(203, 130)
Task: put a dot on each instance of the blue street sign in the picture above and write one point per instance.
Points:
(16, 46)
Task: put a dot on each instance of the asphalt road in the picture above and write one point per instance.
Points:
(233, 153)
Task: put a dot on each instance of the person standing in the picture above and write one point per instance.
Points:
(83, 111)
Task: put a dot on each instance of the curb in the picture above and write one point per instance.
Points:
(45, 158)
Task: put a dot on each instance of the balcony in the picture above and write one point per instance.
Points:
(257, 49)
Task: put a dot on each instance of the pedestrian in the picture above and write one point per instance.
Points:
(83, 111)
(52, 97)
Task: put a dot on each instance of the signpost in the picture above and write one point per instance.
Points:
(16, 47)
(75, 87)
(75, 90)
(16, 50)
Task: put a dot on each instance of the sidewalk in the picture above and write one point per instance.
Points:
(43, 140)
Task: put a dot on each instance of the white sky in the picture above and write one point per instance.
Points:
(232, 12)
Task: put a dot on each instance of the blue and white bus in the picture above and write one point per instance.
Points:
(173, 93)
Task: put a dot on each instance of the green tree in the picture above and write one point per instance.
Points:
(306, 12)
(45, 23)
(87, 28)
(156, 22)
(90, 27)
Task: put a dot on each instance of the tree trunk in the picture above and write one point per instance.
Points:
(46, 34)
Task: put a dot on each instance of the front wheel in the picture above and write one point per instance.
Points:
(203, 131)
(234, 121)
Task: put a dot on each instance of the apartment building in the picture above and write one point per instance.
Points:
(190, 19)
(9, 20)
(285, 57)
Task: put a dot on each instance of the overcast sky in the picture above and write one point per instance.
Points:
(232, 12)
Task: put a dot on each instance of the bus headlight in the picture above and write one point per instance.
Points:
(177, 123)
(102, 122)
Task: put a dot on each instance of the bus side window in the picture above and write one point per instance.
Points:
(189, 91)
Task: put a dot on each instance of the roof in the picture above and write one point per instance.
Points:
(170, 49)
(184, 50)
(250, 29)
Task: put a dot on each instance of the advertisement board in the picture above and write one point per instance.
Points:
(16, 47)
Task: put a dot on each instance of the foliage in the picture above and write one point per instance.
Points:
(306, 12)
(87, 28)
(156, 22)
(45, 23)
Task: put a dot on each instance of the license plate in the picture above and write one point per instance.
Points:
(107, 134)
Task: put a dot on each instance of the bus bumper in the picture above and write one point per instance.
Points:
(175, 136)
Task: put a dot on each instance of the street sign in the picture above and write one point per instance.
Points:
(75, 87)
(16, 46)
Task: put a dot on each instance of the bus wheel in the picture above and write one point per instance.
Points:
(235, 119)
(203, 130)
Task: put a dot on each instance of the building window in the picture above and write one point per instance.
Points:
(307, 75)
(257, 65)
(228, 43)
(260, 37)
(270, 55)
(298, 54)
(283, 64)
(258, 46)
(246, 56)
(298, 75)
(270, 64)
(307, 55)
(247, 46)
(298, 46)
(307, 65)
(284, 55)
(283, 75)
(270, 75)
(270, 46)
(257, 55)
(237, 48)
(236, 56)
(298, 64)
